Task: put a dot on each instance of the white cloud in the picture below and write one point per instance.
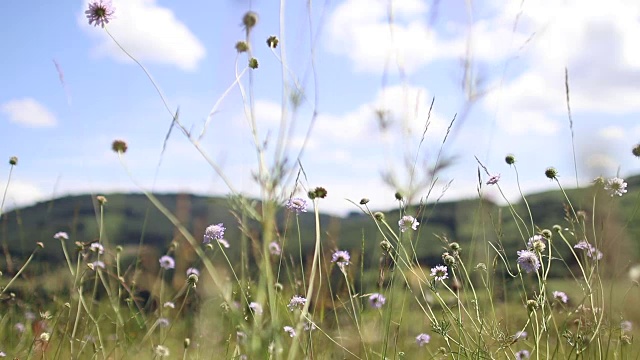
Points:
(149, 32)
(22, 193)
(597, 44)
(28, 112)
(612, 133)
(360, 30)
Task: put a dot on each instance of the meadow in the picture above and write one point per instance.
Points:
(151, 276)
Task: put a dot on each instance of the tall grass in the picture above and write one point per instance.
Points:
(478, 301)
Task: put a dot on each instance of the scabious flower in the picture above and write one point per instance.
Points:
(626, 326)
(289, 330)
(439, 272)
(561, 296)
(520, 335)
(20, 327)
(97, 247)
(100, 12)
(169, 304)
(163, 322)
(376, 300)
(161, 351)
(493, 179)
(423, 339)
(192, 271)
(256, 307)
(214, 232)
(341, 257)
(408, 222)
(592, 251)
(616, 186)
(522, 355)
(274, 249)
(97, 264)
(167, 262)
(297, 205)
(528, 260)
(61, 235)
(537, 242)
(296, 302)
(308, 326)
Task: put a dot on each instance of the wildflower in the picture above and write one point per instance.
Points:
(423, 339)
(616, 186)
(561, 296)
(192, 271)
(551, 173)
(13, 160)
(274, 249)
(242, 46)
(364, 201)
(522, 355)
(214, 232)
(532, 305)
(289, 330)
(97, 264)
(636, 150)
(253, 63)
(161, 351)
(341, 258)
(240, 336)
(493, 180)
(256, 307)
(532, 240)
(272, 41)
(61, 235)
(20, 327)
(296, 302)
(250, 19)
(163, 322)
(376, 300)
(626, 326)
(308, 326)
(167, 262)
(592, 251)
(100, 12)
(520, 335)
(169, 304)
(101, 199)
(296, 205)
(407, 222)
(97, 247)
(3, 354)
(439, 272)
(528, 261)
(318, 192)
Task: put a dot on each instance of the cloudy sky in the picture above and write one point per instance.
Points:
(368, 69)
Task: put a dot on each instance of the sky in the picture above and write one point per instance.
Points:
(365, 72)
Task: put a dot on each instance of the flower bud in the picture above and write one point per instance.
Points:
(242, 46)
(364, 201)
(13, 160)
(636, 151)
(272, 41)
(253, 63)
(551, 173)
(510, 159)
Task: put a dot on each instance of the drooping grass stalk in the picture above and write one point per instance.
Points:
(21, 270)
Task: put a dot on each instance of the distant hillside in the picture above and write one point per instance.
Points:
(131, 219)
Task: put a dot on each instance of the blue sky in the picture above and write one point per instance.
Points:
(69, 91)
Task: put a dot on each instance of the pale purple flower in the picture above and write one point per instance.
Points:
(214, 232)
(169, 304)
(616, 186)
(161, 351)
(289, 330)
(561, 296)
(592, 251)
(3, 354)
(240, 336)
(20, 327)
(423, 339)
(193, 271)
(274, 249)
(167, 262)
(520, 335)
(163, 322)
(626, 326)
(535, 238)
(256, 307)
(100, 12)
(439, 272)
(309, 326)
(97, 247)
(408, 222)
(297, 205)
(376, 300)
(528, 261)
(341, 257)
(97, 264)
(493, 179)
(61, 235)
(296, 302)
(522, 355)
